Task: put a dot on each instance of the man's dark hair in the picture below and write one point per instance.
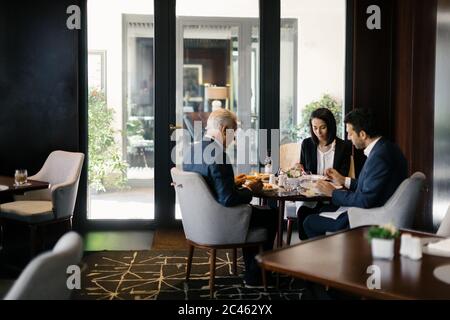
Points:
(363, 119)
(326, 116)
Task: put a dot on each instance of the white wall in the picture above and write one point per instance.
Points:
(105, 33)
(321, 47)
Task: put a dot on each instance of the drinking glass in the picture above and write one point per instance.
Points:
(20, 176)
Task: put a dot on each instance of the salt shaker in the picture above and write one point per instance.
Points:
(405, 244)
(415, 252)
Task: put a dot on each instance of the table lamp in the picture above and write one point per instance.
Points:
(217, 94)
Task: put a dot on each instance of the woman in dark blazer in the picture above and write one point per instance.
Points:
(323, 150)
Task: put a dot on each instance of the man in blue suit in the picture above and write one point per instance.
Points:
(383, 171)
(209, 159)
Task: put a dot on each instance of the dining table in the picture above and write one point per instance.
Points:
(281, 195)
(344, 261)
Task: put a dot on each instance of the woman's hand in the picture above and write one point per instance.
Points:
(334, 175)
(299, 166)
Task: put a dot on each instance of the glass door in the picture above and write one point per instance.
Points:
(121, 113)
(217, 67)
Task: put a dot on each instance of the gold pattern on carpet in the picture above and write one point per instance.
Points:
(150, 275)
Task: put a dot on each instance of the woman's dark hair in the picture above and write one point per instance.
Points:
(326, 116)
(363, 119)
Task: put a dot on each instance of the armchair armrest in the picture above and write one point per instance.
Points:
(63, 198)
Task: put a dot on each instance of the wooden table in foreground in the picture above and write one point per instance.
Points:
(340, 261)
(30, 186)
(281, 198)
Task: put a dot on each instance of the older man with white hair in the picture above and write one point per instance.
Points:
(209, 159)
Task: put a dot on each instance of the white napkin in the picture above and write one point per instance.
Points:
(336, 214)
(443, 245)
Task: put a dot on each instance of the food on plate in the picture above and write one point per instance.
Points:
(268, 186)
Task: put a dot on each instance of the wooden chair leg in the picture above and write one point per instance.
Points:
(212, 273)
(263, 272)
(235, 261)
(290, 222)
(189, 262)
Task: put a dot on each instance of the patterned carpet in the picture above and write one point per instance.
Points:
(160, 274)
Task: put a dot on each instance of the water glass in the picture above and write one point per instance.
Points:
(20, 176)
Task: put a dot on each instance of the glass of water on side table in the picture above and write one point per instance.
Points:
(20, 177)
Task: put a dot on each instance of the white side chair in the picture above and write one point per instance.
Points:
(444, 228)
(45, 277)
(398, 210)
(56, 204)
(207, 224)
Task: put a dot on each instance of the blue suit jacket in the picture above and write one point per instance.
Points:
(382, 173)
(217, 172)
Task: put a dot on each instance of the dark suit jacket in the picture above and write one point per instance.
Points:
(382, 173)
(217, 172)
(342, 154)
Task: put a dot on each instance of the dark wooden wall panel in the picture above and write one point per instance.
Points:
(38, 83)
(372, 66)
(413, 88)
(373, 62)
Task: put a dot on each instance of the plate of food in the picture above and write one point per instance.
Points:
(3, 187)
(258, 176)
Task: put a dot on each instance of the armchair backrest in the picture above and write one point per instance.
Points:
(61, 167)
(398, 210)
(205, 221)
(289, 155)
(45, 277)
(403, 203)
(62, 170)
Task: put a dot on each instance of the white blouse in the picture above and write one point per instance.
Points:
(325, 160)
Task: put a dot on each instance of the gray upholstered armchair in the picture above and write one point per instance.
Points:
(56, 204)
(208, 224)
(398, 210)
(45, 277)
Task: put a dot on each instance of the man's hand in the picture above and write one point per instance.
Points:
(240, 180)
(334, 175)
(255, 186)
(325, 188)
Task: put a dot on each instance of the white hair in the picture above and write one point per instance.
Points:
(221, 118)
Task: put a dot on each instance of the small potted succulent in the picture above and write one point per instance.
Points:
(382, 239)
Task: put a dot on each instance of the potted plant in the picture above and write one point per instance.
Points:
(382, 239)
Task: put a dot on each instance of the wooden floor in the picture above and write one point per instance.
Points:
(169, 240)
